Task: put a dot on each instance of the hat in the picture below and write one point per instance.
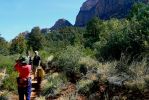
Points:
(36, 52)
(23, 59)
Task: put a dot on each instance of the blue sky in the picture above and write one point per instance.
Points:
(22, 15)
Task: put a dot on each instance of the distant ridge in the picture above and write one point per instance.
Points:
(104, 9)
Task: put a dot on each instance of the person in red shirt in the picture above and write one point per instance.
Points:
(24, 79)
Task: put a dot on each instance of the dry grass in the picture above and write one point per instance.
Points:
(2, 75)
(40, 98)
(136, 74)
(88, 61)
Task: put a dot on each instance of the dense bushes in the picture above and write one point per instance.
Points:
(3, 46)
(10, 83)
(8, 63)
(112, 40)
(93, 29)
(68, 59)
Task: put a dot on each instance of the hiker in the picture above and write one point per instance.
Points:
(36, 62)
(29, 57)
(24, 79)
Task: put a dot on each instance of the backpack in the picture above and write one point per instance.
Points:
(40, 72)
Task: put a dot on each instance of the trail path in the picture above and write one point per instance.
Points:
(35, 88)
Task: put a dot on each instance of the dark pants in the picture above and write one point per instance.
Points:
(25, 91)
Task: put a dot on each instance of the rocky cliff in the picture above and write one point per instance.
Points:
(60, 24)
(104, 9)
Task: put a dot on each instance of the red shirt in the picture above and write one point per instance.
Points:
(24, 70)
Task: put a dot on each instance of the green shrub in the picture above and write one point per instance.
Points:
(93, 29)
(89, 62)
(84, 86)
(44, 55)
(53, 84)
(8, 63)
(69, 58)
(3, 46)
(9, 83)
(113, 39)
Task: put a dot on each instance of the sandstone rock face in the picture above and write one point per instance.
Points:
(60, 24)
(104, 9)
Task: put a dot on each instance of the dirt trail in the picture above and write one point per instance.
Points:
(65, 93)
(35, 88)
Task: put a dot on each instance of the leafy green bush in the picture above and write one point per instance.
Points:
(6, 61)
(44, 55)
(69, 58)
(113, 40)
(128, 36)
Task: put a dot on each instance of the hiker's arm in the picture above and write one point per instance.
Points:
(39, 62)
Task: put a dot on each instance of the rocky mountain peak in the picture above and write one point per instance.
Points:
(104, 9)
(88, 5)
(60, 24)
